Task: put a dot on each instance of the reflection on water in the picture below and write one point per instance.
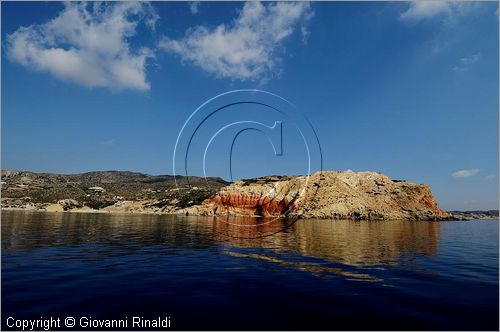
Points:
(354, 243)
(393, 274)
(342, 242)
(373, 243)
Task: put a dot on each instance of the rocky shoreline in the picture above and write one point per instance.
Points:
(323, 195)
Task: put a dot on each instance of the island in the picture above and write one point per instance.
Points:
(322, 195)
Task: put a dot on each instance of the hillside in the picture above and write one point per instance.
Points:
(107, 189)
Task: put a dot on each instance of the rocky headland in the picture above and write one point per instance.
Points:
(330, 194)
(327, 194)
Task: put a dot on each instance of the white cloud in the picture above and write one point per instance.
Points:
(246, 49)
(472, 59)
(88, 44)
(194, 7)
(420, 10)
(305, 34)
(465, 173)
(466, 62)
(490, 177)
(423, 9)
(108, 142)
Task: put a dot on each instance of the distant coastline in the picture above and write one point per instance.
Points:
(475, 214)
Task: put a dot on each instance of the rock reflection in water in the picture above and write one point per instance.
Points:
(345, 243)
(337, 245)
(249, 227)
(367, 243)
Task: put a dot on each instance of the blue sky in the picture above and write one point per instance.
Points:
(406, 89)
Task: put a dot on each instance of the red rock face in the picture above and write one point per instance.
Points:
(248, 204)
(428, 201)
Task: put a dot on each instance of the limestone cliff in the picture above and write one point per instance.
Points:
(338, 195)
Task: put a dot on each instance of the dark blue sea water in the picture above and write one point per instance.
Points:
(317, 274)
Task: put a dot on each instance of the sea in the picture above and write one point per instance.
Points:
(93, 271)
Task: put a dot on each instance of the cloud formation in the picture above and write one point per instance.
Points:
(490, 177)
(247, 49)
(466, 62)
(465, 173)
(194, 7)
(88, 44)
(108, 142)
(422, 10)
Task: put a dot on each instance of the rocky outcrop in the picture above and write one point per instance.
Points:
(68, 204)
(338, 195)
